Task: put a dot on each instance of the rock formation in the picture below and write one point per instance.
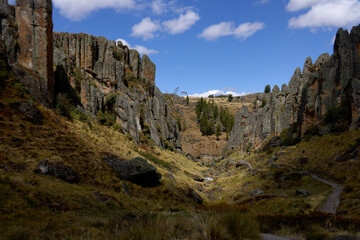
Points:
(324, 94)
(34, 21)
(97, 74)
(111, 77)
(26, 32)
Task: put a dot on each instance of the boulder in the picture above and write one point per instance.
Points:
(198, 178)
(31, 112)
(59, 170)
(137, 170)
(245, 164)
(257, 192)
(303, 193)
(192, 194)
(274, 142)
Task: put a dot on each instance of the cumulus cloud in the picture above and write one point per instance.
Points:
(79, 9)
(324, 13)
(139, 48)
(159, 7)
(216, 93)
(146, 28)
(182, 23)
(223, 29)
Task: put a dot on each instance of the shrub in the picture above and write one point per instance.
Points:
(263, 102)
(340, 113)
(117, 54)
(105, 118)
(317, 233)
(230, 98)
(267, 89)
(78, 115)
(287, 138)
(63, 105)
(212, 229)
(241, 225)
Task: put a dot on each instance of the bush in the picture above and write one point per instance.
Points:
(263, 102)
(317, 233)
(212, 229)
(241, 225)
(287, 138)
(230, 98)
(105, 118)
(63, 105)
(267, 89)
(338, 114)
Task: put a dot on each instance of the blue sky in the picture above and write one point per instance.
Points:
(202, 45)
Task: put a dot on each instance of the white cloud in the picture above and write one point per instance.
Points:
(139, 48)
(248, 29)
(182, 23)
(324, 13)
(146, 28)
(223, 29)
(217, 93)
(158, 7)
(79, 9)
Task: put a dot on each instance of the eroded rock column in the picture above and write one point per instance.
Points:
(35, 27)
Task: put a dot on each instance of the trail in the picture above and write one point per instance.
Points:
(333, 200)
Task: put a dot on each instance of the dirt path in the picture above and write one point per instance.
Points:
(333, 200)
(265, 236)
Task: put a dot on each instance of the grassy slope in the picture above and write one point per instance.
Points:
(31, 203)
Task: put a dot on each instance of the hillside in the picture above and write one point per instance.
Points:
(192, 140)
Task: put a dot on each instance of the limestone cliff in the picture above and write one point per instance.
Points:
(26, 35)
(111, 77)
(323, 97)
(98, 75)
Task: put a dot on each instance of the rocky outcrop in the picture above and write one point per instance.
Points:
(137, 170)
(323, 96)
(26, 34)
(59, 170)
(35, 29)
(110, 77)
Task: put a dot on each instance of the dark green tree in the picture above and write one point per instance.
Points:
(187, 100)
(267, 89)
(230, 98)
(218, 131)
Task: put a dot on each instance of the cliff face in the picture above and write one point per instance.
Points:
(324, 94)
(115, 79)
(26, 35)
(98, 76)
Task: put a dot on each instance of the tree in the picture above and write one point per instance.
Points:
(216, 112)
(218, 131)
(267, 89)
(187, 100)
(230, 98)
